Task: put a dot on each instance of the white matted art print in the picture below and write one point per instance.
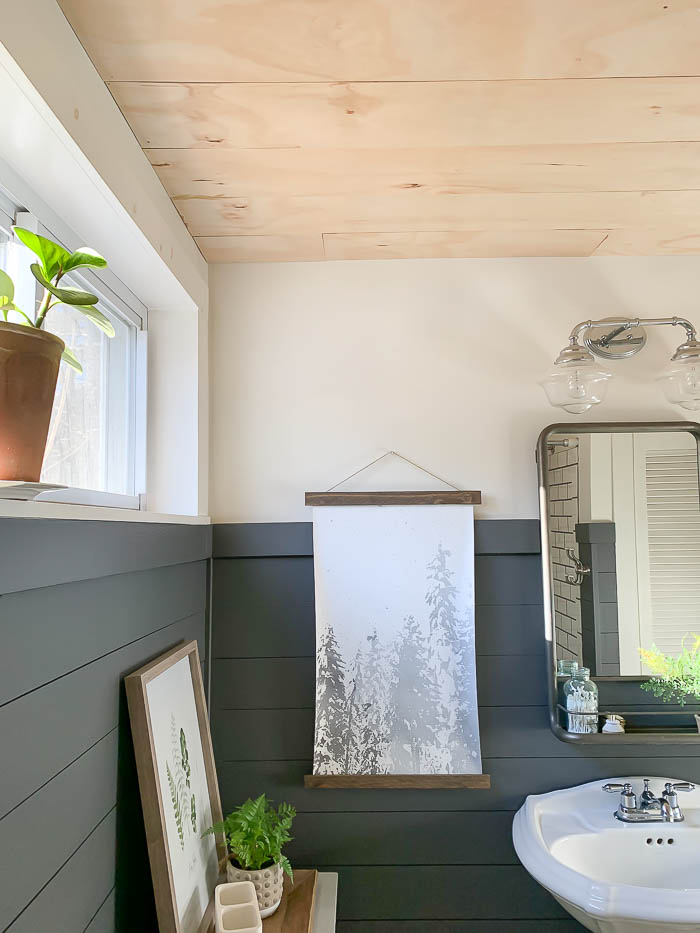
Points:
(179, 789)
(395, 665)
(184, 790)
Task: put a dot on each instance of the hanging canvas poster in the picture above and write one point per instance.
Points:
(395, 666)
(178, 786)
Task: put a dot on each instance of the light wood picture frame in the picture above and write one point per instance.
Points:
(178, 785)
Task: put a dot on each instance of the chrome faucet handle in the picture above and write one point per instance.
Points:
(628, 798)
(683, 786)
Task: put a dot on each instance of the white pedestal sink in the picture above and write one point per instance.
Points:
(613, 877)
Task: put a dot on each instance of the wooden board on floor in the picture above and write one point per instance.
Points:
(296, 912)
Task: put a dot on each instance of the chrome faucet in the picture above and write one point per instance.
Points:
(650, 809)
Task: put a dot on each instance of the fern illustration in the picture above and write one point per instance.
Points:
(176, 806)
(193, 813)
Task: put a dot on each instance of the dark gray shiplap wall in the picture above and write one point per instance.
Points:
(409, 861)
(82, 604)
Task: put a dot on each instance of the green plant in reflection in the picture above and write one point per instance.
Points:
(675, 679)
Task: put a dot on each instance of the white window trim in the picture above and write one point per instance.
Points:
(109, 287)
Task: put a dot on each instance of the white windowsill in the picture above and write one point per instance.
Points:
(17, 508)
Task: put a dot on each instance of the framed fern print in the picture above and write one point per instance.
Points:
(179, 790)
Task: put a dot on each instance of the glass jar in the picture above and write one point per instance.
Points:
(581, 702)
(566, 668)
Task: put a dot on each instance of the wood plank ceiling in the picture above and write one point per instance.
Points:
(361, 129)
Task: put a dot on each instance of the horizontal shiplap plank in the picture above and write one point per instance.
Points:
(403, 115)
(277, 593)
(514, 630)
(511, 732)
(508, 580)
(450, 244)
(404, 210)
(74, 895)
(47, 729)
(442, 892)
(45, 830)
(295, 539)
(445, 838)
(103, 921)
(52, 630)
(234, 173)
(66, 551)
(289, 683)
(511, 782)
(263, 539)
(263, 682)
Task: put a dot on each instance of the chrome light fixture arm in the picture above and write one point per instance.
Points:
(578, 381)
(619, 325)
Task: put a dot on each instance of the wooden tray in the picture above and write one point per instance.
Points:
(294, 915)
(296, 912)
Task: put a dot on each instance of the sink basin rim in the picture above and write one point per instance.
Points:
(599, 899)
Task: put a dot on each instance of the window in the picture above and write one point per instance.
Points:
(95, 442)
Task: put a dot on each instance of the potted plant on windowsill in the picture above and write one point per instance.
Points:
(30, 356)
(255, 833)
(675, 679)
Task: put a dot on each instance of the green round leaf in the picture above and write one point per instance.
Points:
(53, 257)
(68, 295)
(84, 256)
(7, 288)
(98, 319)
(68, 357)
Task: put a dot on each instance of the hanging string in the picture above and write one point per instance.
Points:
(394, 453)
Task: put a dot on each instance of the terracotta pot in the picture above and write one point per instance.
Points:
(29, 361)
(268, 883)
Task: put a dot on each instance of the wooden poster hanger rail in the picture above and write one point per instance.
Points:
(452, 496)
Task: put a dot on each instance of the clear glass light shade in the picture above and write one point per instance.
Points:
(576, 385)
(680, 382)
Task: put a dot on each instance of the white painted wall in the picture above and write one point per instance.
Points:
(317, 368)
(65, 139)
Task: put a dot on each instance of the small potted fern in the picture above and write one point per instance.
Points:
(675, 679)
(255, 833)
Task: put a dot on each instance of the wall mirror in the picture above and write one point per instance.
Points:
(620, 524)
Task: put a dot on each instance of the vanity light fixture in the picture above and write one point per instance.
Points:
(578, 381)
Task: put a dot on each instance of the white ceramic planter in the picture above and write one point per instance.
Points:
(268, 885)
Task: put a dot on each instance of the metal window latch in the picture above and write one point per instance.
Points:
(580, 569)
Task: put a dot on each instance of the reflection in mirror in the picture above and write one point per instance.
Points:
(623, 541)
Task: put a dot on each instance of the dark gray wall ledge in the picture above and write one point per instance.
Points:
(295, 539)
(45, 552)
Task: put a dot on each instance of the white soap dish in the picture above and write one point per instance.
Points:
(236, 908)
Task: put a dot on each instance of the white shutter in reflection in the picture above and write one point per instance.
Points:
(668, 538)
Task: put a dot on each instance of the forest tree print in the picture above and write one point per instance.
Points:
(397, 695)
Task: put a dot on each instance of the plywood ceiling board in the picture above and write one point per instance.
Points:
(262, 248)
(411, 115)
(448, 244)
(216, 172)
(381, 40)
(418, 210)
